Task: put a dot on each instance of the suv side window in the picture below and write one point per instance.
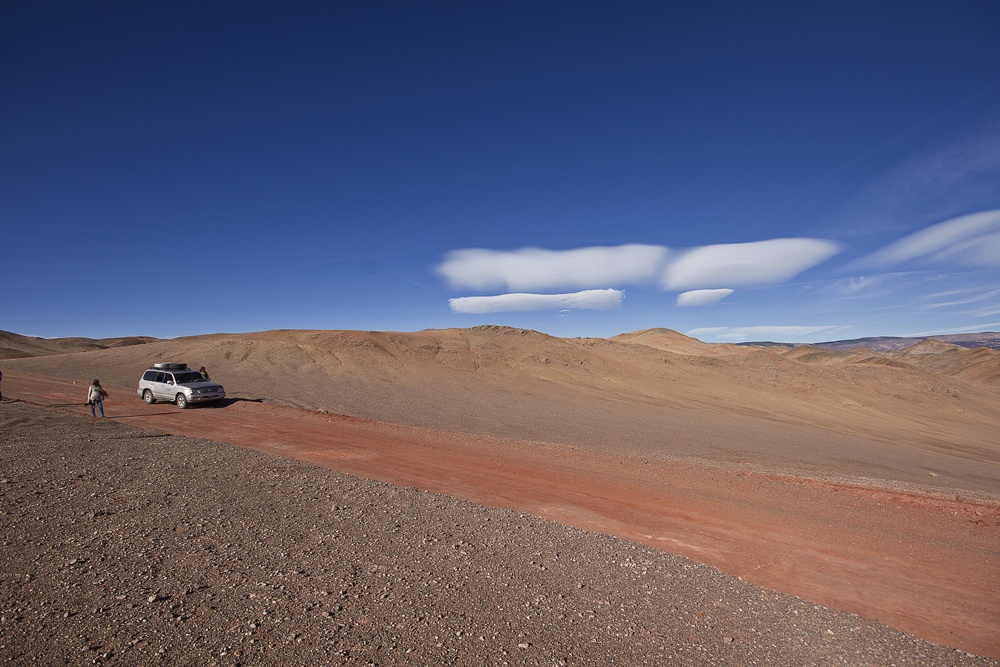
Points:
(149, 376)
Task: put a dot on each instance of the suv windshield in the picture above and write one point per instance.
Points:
(188, 377)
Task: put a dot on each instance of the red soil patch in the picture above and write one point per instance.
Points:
(925, 564)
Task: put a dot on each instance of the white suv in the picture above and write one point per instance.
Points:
(178, 384)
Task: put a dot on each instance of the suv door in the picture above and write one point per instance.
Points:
(163, 387)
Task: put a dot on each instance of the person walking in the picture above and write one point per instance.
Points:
(95, 397)
(204, 373)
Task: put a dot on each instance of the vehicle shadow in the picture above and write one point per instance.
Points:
(226, 402)
(172, 409)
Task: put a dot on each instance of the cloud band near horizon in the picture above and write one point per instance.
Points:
(757, 333)
(706, 274)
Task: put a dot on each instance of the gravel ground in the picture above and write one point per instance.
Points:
(121, 546)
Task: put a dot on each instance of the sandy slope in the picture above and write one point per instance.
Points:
(884, 420)
(690, 448)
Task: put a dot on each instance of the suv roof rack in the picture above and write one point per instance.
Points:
(170, 366)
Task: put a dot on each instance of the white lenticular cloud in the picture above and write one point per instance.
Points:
(969, 239)
(702, 297)
(538, 269)
(597, 299)
(746, 264)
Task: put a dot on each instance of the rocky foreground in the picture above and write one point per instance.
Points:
(121, 546)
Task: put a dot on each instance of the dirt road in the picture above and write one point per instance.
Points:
(927, 564)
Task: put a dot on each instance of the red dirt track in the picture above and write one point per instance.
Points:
(925, 564)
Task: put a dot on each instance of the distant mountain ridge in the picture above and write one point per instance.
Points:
(990, 339)
(16, 346)
(13, 346)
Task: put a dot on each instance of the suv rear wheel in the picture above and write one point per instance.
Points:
(182, 401)
(148, 397)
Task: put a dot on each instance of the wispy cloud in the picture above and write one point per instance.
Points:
(702, 297)
(600, 299)
(951, 176)
(966, 298)
(746, 264)
(980, 302)
(538, 269)
(855, 285)
(991, 326)
(783, 334)
(972, 239)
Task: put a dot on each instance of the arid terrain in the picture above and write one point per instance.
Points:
(863, 482)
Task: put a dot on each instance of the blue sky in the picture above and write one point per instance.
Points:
(734, 171)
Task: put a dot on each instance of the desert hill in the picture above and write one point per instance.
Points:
(922, 416)
(671, 341)
(15, 346)
(979, 365)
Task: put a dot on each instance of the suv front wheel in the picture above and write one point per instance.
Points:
(182, 401)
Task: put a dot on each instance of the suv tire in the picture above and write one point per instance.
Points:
(182, 401)
(148, 397)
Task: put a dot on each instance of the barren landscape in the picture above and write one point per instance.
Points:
(863, 483)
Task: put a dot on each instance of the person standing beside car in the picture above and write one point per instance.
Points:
(95, 398)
